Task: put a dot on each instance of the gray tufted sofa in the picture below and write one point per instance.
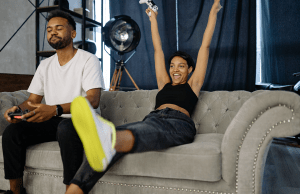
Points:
(234, 131)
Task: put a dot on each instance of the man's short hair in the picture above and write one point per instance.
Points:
(62, 14)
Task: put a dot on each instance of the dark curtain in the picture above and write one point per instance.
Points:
(280, 41)
(141, 65)
(232, 60)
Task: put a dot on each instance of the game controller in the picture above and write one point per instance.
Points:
(150, 4)
(18, 114)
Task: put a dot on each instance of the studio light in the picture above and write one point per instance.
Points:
(121, 34)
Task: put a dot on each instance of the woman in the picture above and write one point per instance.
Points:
(177, 97)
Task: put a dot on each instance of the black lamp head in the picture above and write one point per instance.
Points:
(121, 34)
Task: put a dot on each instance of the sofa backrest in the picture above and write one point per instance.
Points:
(8, 100)
(213, 113)
(215, 110)
(125, 107)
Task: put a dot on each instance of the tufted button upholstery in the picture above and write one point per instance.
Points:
(213, 112)
(133, 105)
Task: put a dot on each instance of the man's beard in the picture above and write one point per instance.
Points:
(60, 44)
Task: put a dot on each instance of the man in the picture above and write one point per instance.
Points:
(69, 73)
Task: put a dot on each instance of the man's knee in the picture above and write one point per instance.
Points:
(12, 132)
(65, 130)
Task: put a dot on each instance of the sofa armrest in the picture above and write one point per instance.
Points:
(8, 100)
(246, 141)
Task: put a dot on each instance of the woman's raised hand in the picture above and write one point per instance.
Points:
(218, 5)
(153, 14)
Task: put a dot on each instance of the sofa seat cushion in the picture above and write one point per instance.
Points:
(200, 160)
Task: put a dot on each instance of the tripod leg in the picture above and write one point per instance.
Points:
(115, 80)
(112, 80)
(131, 79)
(119, 83)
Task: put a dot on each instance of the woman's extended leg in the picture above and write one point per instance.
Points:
(124, 141)
(86, 177)
(159, 130)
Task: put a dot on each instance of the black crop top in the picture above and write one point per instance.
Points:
(181, 95)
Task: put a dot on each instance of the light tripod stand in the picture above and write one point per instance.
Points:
(117, 76)
(121, 34)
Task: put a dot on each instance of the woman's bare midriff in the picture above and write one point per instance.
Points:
(175, 107)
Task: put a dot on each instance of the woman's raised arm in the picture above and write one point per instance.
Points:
(197, 79)
(162, 76)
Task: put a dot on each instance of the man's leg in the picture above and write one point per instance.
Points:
(16, 138)
(71, 149)
(16, 185)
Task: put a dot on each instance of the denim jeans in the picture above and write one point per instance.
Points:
(159, 130)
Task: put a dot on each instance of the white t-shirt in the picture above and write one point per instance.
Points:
(61, 84)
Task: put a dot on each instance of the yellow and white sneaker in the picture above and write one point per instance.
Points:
(97, 135)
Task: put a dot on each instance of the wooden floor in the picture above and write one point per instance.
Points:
(14, 82)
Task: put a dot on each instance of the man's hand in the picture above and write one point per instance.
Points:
(41, 113)
(13, 109)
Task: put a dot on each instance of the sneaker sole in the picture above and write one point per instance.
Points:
(83, 120)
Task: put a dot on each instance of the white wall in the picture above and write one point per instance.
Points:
(18, 57)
